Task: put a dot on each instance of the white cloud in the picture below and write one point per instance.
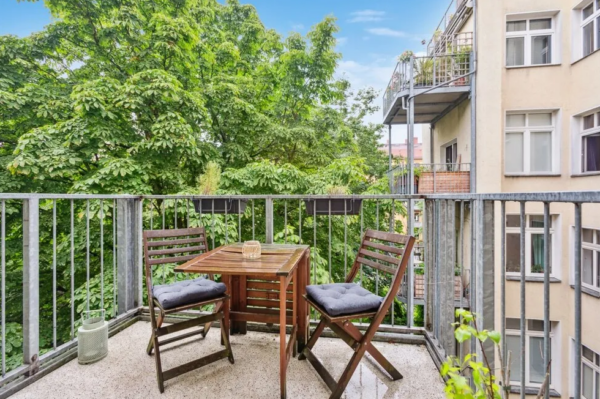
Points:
(341, 41)
(297, 27)
(366, 16)
(387, 32)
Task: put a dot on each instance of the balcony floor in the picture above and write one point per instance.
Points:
(127, 372)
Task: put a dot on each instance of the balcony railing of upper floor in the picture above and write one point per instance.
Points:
(436, 178)
(63, 254)
(428, 72)
(455, 14)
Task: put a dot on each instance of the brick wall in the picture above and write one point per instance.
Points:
(445, 182)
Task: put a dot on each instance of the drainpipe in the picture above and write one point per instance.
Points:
(390, 179)
(431, 127)
(474, 103)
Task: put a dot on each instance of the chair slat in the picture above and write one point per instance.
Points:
(174, 259)
(377, 255)
(389, 237)
(165, 243)
(383, 247)
(376, 265)
(173, 232)
(179, 250)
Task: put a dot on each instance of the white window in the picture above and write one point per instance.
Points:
(590, 142)
(590, 373)
(590, 258)
(534, 244)
(529, 143)
(530, 41)
(535, 366)
(590, 27)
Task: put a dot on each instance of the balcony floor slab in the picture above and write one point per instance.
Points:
(127, 372)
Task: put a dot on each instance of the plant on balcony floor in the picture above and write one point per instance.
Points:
(455, 369)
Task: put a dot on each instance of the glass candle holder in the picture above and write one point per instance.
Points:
(251, 250)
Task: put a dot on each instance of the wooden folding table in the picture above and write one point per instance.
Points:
(256, 287)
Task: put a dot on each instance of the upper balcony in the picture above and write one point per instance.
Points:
(440, 178)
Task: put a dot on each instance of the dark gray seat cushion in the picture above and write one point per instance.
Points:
(187, 292)
(343, 298)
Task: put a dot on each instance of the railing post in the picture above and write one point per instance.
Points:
(128, 254)
(31, 284)
(485, 271)
(269, 220)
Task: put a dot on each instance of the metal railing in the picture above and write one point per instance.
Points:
(455, 11)
(427, 72)
(437, 178)
(450, 43)
(62, 254)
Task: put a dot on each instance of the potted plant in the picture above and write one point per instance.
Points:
(406, 56)
(424, 72)
(208, 185)
(339, 206)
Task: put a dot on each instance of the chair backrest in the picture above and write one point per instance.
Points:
(386, 252)
(174, 246)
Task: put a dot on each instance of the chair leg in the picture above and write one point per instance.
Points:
(159, 372)
(208, 325)
(313, 338)
(159, 323)
(348, 372)
(374, 352)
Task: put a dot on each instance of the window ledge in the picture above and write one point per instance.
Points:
(585, 174)
(532, 175)
(587, 56)
(533, 66)
(589, 291)
(533, 391)
(532, 279)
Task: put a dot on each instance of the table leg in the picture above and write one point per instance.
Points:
(282, 341)
(303, 281)
(243, 303)
(295, 304)
(234, 292)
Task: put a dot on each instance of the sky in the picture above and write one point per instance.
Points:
(372, 33)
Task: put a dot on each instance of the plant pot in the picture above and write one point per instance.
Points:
(220, 205)
(351, 206)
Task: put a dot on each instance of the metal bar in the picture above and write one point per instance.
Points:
(315, 242)
(175, 201)
(253, 225)
(87, 254)
(187, 212)
(101, 255)
(226, 226)
(72, 271)
(162, 206)
(152, 215)
(3, 287)
(300, 220)
(578, 306)
(522, 296)
(503, 277)
(376, 228)
(212, 223)
(361, 237)
(392, 215)
(547, 326)
(269, 220)
(114, 255)
(31, 283)
(285, 221)
(410, 271)
(54, 274)
(346, 242)
(436, 266)
(329, 243)
(461, 249)
(239, 220)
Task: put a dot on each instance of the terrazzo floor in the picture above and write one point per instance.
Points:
(127, 372)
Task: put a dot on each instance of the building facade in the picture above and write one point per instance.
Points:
(525, 115)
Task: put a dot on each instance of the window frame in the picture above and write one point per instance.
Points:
(531, 334)
(594, 246)
(529, 231)
(585, 133)
(528, 36)
(595, 366)
(594, 19)
(526, 131)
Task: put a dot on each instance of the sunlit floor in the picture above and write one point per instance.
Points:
(127, 372)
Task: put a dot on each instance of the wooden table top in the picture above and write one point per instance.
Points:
(275, 260)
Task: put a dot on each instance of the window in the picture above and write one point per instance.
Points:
(590, 143)
(590, 258)
(590, 373)
(529, 41)
(529, 143)
(534, 244)
(535, 366)
(590, 27)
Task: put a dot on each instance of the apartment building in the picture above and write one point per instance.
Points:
(523, 111)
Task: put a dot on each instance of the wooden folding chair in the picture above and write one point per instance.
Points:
(340, 303)
(163, 247)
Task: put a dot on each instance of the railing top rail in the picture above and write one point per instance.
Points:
(551, 196)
